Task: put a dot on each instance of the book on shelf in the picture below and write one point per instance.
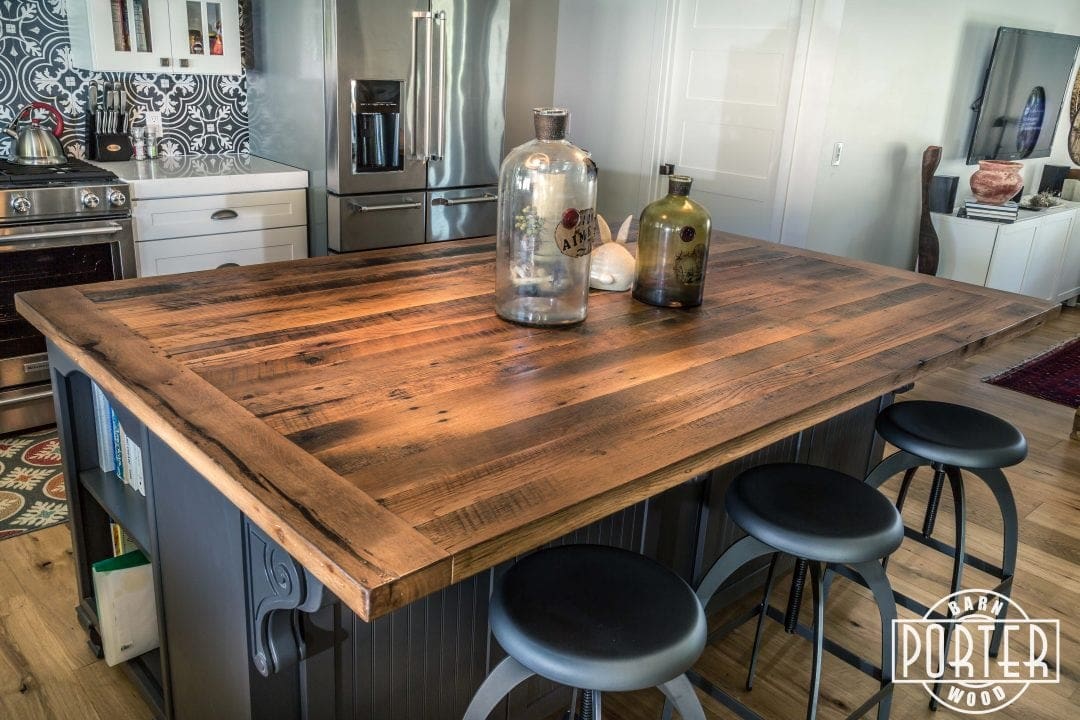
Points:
(117, 451)
(103, 428)
(988, 218)
(141, 32)
(122, 542)
(118, 444)
(135, 468)
(1009, 208)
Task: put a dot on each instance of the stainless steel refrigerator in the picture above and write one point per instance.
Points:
(395, 107)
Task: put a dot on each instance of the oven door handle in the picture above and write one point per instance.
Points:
(53, 234)
(29, 397)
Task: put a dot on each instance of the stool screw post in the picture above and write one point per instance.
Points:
(934, 501)
(798, 581)
(587, 712)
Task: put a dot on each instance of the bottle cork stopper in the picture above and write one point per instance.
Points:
(679, 185)
(550, 123)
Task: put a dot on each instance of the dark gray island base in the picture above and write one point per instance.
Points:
(249, 634)
(341, 454)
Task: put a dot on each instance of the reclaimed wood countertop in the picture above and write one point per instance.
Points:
(372, 414)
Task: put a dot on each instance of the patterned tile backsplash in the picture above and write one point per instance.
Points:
(200, 113)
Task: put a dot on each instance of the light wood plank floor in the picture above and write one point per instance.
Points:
(47, 672)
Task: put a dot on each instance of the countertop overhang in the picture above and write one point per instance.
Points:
(187, 175)
(372, 414)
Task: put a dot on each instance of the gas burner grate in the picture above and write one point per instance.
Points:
(69, 173)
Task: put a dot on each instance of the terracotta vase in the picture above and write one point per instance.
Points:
(996, 181)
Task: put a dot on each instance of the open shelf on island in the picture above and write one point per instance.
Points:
(121, 502)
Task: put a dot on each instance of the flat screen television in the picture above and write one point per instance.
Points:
(1022, 95)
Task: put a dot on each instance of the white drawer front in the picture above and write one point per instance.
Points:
(212, 214)
(176, 255)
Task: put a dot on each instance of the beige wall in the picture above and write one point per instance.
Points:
(530, 71)
(906, 75)
(607, 79)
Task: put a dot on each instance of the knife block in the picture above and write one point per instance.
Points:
(107, 146)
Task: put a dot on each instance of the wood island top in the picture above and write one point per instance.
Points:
(372, 414)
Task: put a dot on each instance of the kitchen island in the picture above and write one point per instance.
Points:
(341, 452)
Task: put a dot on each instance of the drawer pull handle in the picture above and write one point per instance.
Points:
(380, 208)
(228, 264)
(29, 397)
(224, 215)
(485, 198)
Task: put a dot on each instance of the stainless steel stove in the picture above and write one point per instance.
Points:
(60, 225)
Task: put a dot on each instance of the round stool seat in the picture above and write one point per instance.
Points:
(952, 434)
(597, 618)
(814, 513)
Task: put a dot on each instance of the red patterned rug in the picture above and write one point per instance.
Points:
(1054, 375)
(32, 493)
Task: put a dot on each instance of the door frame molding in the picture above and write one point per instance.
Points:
(804, 123)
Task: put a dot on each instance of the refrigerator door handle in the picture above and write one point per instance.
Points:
(485, 198)
(421, 76)
(358, 207)
(440, 111)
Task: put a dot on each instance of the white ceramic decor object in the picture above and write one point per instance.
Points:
(624, 230)
(612, 265)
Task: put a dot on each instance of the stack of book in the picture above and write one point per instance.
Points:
(1005, 213)
(117, 451)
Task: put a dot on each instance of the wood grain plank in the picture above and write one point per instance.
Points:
(373, 414)
(355, 547)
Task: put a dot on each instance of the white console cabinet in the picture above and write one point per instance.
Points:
(1038, 255)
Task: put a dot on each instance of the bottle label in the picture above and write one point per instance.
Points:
(575, 232)
(689, 264)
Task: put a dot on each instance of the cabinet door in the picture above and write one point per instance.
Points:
(206, 36)
(964, 248)
(1068, 282)
(1011, 252)
(128, 35)
(177, 255)
(1044, 262)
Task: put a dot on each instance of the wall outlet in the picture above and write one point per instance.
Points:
(153, 122)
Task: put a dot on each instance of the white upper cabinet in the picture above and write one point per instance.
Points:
(178, 36)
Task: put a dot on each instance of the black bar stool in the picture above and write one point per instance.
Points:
(597, 618)
(825, 519)
(951, 438)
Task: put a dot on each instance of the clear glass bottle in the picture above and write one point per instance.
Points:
(546, 227)
(672, 248)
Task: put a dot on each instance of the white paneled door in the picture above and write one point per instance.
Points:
(726, 124)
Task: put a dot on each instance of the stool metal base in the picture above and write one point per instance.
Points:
(873, 576)
(508, 674)
(907, 463)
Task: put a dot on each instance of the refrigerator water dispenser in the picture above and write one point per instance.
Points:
(376, 125)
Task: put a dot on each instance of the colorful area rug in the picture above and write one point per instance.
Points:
(32, 493)
(1054, 375)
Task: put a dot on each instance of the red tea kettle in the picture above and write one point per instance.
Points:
(34, 145)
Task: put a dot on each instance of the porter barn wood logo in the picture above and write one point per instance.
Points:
(978, 659)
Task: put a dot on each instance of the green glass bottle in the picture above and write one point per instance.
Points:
(673, 248)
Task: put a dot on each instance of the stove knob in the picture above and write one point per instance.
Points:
(117, 198)
(21, 204)
(90, 200)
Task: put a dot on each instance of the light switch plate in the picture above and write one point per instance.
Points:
(153, 122)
